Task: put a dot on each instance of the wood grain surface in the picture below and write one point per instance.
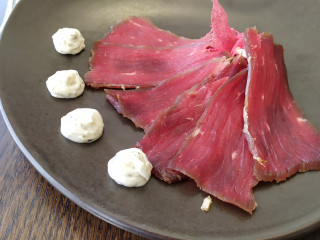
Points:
(30, 208)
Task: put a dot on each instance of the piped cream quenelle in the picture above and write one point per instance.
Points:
(68, 41)
(82, 125)
(130, 168)
(65, 84)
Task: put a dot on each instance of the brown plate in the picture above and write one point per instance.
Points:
(158, 210)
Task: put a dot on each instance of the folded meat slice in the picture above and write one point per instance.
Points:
(128, 66)
(142, 106)
(170, 129)
(216, 154)
(281, 140)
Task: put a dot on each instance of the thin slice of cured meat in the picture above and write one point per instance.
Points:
(281, 140)
(145, 55)
(223, 38)
(138, 31)
(142, 106)
(216, 154)
(127, 66)
(173, 125)
(126, 36)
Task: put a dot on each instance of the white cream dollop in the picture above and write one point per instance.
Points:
(82, 125)
(68, 41)
(130, 168)
(65, 84)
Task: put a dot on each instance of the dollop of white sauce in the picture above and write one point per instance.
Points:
(68, 41)
(82, 125)
(65, 84)
(130, 168)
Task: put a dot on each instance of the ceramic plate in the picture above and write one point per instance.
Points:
(158, 210)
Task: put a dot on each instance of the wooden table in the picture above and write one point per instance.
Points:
(30, 208)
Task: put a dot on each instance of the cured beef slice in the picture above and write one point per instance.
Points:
(142, 106)
(136, 54)
(127, 66)
(281, 140)
(216, 154)
(173, 125)
(223, 37)
(141, 32)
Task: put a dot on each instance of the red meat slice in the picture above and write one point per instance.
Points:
(172, 126)
(136, 54)
(223, 38)
(127, 66)
(216, 154)
(281, 140)
(141, 32)
(142, 106)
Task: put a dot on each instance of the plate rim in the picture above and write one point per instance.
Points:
(309, 226)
